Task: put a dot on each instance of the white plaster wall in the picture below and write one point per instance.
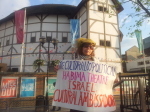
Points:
(9, 24)
(2, 26)
(113, 54)
(64, 27)
(83, 28)
(95, 37)
(111, 18)
(115, 42)
(111, 29)
(34, 27)
(82, 10)
(96, 15)
(6, 60)
(100, 52)
(83, 18)
(2, 32)
(50, 18)
(49, 27)
(16, 60)
(67, 56)
(33, 19)
(63, 19)
(97, 27)
(9, 31)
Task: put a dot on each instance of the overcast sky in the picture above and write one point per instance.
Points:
(9, 6)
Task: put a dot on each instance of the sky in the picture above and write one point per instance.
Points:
(9, 6)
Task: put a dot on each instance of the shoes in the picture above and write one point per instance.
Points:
(59, 108)
(53, 110)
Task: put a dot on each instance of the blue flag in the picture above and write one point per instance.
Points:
(139, 40)
(75, 30)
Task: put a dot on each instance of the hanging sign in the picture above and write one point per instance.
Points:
(9, 87)
(27, 88)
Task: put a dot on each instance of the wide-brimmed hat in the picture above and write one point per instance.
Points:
(81, 41)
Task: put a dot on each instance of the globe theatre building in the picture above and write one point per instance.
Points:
(98, 21)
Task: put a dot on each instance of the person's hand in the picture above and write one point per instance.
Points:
(116, 80)
(56, 68)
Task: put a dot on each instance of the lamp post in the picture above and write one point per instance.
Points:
(42, 41)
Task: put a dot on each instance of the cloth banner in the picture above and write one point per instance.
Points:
(51, 85)
(9, 87)
(20, 23)
(139, 40)
(27, 88)
(85, 86)
(75, 30)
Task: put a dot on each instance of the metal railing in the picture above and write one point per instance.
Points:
(134, 92)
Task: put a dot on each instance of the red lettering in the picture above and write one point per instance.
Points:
(87, 86)
(92, 88)
(74, 85)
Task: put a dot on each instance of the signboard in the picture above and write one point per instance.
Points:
(51, 88)
(27, 88)
(9, 86)
(85, 86)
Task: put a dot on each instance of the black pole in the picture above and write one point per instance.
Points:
(39, 57)
(48, 65)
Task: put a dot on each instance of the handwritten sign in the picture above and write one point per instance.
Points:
(9, 87)
(85, 86)
(27, 88)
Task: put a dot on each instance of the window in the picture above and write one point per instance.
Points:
(0, 45)
(7, 42)
(48, 39)
(102, 43)
(64, 39)
(140, 63)
(108, 44)
(103, 9)
(33, 39)
(14, 69)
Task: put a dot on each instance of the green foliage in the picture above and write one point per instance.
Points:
(141, 14)
(38, 62)
(55, 62)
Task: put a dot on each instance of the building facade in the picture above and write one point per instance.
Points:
(137, 62)
(98, 21)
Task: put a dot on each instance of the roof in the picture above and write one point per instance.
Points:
(59, 9)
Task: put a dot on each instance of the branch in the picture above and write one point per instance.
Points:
(142, 6)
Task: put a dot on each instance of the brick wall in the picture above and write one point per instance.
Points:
(40, 83)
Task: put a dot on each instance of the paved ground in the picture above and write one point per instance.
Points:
(62, 109)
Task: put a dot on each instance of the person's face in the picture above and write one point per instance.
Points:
(87, 50)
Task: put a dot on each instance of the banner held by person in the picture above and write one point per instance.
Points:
(85, 86)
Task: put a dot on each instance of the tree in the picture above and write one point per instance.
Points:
(142, 13)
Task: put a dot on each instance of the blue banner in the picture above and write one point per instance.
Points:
(75, 30)
(27, 87)
(138, 34)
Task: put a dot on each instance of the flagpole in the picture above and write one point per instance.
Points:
(22, 47)
(144, 57)
(21, 56)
